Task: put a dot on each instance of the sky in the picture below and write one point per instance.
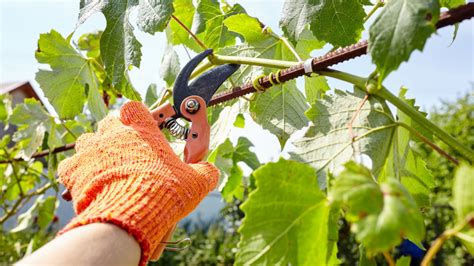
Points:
(441, 72)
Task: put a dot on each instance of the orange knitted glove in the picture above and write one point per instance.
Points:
(128, 175)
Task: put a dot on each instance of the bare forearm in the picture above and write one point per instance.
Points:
(93, 244)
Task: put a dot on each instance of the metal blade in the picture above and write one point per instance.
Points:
(204, 86)
(208, 83)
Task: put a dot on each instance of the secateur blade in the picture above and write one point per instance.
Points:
(205, 85)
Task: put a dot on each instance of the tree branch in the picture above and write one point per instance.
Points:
(40, 154)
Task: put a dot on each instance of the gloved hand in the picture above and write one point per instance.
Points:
(127, 174)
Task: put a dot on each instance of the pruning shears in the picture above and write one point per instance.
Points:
(190, 103)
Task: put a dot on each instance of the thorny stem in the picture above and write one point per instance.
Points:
(199, 42)
(388, 258)
(407, 109)
(438, 243)
(378, 5)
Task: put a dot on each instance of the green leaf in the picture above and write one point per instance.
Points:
(403, 261)
(364, 260)
(327, 143)
(170, 67)
(402, 27)
(90, 42)
(32, 121)
(315, 88)
(467, 239)
(43, 209)
(151, 95)
(463, 192)
(339, 22)
(242, 153)
(221, 157)
(5, 107)
(239, 121)
(451, 3)
(96, 104)
(307, 43)
(248, 27)
(404, 162)
(26, 219)
(223, 126)
(184, 11)
(225, 158)
(154, 15)
(208, 24)
(65, 84)
(119, 48)
(280, 110)
(381, 214)
(285, 218)
(46, 211)
(233, 187)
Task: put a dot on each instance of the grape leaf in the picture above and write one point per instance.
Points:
(451, 3)
(170, 67)
(381, 214)
(43, 209)
(280, 110)
(339, 22)
(315, 87)
(307, 43)
(285, 218)
(233, 187)
(208, 23)
(226, 157)
(33, 122)
(463, 192)
(239, 121)
(90, 42)
(184, 11)
(70, 73)
(403, 261)
(46, 211)
(154, 15)
(327, 143)
(119, 48)
(223, 126)
(405, 163)
(463, 203)
(402, 27)
(5, 106)
(248, 27)
(151, 95)
(242, 153)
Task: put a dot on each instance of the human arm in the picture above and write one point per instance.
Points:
(126, 174)
(92, 244)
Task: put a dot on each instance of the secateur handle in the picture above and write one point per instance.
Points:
(197, 142)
